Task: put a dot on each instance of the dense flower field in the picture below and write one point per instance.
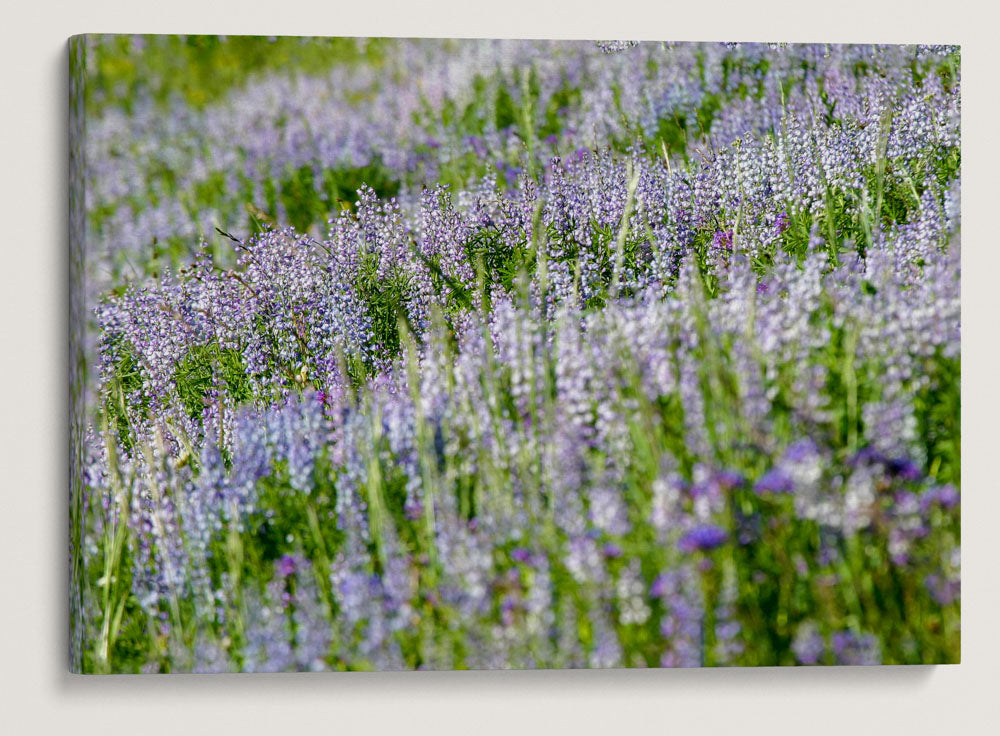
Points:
(474, 354)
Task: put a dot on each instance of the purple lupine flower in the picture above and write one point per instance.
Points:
(867, 456)
(286, 565)
(413, 510)
(612, 550)
(682, 623)
(781, 223)
(703, 537)
(850, 648)
(943, 589)
(808, 644)
(775, 480)
(945, 496)
(520, 554)
(729, 479)
(906, 469)
(723, 240)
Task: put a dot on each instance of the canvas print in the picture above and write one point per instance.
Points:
(410, 354)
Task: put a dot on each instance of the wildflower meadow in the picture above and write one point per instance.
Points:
(469, 354)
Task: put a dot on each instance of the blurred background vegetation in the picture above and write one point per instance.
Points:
(200, 69)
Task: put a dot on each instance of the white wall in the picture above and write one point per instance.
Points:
(36, 694)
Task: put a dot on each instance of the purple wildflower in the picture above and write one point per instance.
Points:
(723, 240)
(703, 537)
(775, 480)
(945, 496)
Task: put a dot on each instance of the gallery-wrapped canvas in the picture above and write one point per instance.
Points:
(471, 354)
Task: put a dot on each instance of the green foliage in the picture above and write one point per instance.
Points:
(207, 368)
(341, 185)
(564, 98)
(502, 260)
(939, 417)
(386, 300)
(126, 383)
